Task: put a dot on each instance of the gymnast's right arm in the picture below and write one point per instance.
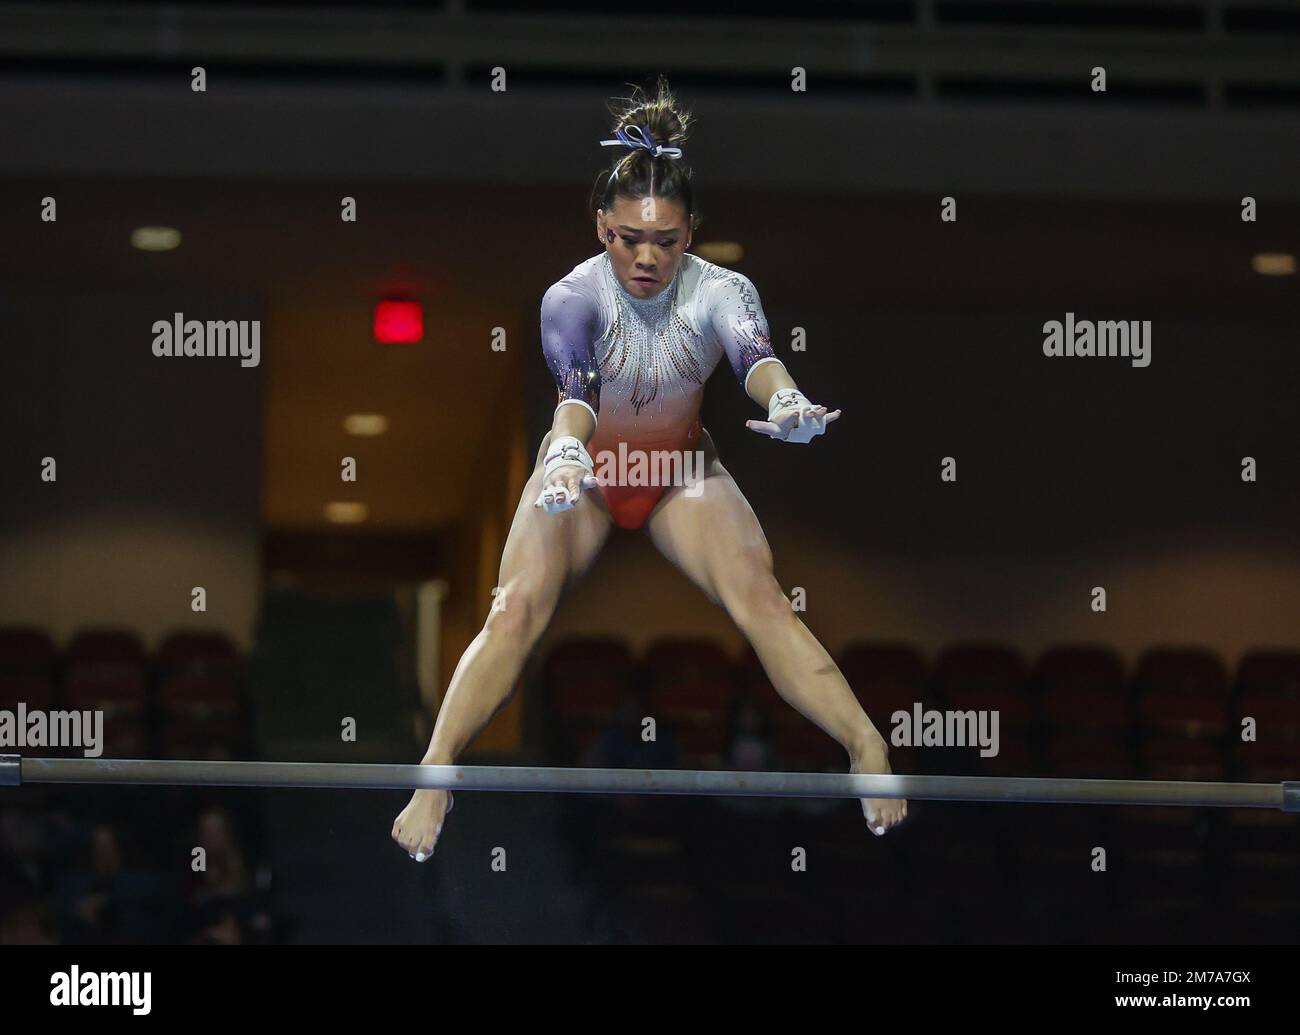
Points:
(569, 320)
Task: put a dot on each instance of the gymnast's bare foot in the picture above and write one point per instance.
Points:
(418, 826)
(882, 813)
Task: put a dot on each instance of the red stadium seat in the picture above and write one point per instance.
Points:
(1181, 707)
(27, 666)
(692, 683)
(887, 678)
(199, 681)
(105, 671)
(584, 678)
(988, 678)
(1087, 720)
(1268, 691)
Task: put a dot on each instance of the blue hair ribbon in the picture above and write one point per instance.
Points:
(641, 137)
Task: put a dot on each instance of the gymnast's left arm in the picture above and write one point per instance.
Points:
(738, 321)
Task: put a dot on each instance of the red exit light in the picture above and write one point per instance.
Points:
(398, 322)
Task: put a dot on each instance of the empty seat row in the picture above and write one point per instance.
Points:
(188, 697)
(1076, 710)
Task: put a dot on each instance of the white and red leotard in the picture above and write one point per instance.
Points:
(639, 365)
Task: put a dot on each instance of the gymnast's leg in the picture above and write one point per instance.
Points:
(544, 554)
(716, 540)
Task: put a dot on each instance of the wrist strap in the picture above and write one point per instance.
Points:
(785, 399)
(566, 451)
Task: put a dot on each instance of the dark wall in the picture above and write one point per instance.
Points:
(159, 465)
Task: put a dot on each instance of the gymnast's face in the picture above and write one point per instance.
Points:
(646, 239)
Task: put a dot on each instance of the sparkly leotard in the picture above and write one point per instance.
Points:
(639, 365)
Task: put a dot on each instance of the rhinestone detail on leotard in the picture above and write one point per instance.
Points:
(647, 342)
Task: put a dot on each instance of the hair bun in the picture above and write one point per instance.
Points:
(651, 130)
(660, 115)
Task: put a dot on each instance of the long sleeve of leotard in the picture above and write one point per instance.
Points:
(568, 344)
(737, 320)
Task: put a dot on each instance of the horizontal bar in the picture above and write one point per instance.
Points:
(347, 776)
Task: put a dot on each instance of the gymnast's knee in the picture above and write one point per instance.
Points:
(519, 614)
(757, 602)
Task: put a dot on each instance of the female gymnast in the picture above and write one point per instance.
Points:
(631, 335)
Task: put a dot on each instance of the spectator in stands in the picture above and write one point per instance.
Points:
(24, 916)
(106, 899)
(225, 905)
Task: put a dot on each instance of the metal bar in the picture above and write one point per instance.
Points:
(10, 771)
(345, 776)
